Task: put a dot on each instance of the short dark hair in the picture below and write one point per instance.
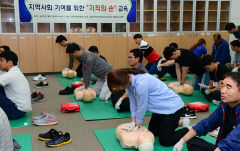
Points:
(230, 26)
(60, 38)
(137, 54)
(235, 77)
(137, 36)
(6, 48)
(10, 56)
(168, 52)
(206, 60)
(93, 49)
(218, 36)
(235, 43)
(174, 45)
(72, 47)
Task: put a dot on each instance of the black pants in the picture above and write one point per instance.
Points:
(79, 70)
(198, 144)
(216, 95)
(164, 127)
(125, 105)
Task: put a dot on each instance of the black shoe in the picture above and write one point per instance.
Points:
(59, 140)
(51, 134)
(41, 85)
(189, 113)
(67, 91)
(33, 95)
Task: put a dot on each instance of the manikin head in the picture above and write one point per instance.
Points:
(74, 50)
(62, 40)
(138, 38)
(231, 28)
(135, 58)
(142, 138)
(208, 63)
(235, 45)
(8, 59)
(230, 89)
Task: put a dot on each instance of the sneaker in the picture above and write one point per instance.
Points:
(49, 119)
(41, 85)
(45, 113)
(39, 77)
(51, 134)
(33, 95)
(59, 140)
(189, 113)
(67, 91)
(216, 102)
(39, 98)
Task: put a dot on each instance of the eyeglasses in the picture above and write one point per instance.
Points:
(130, 57)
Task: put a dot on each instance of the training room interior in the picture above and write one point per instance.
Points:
(159, 21)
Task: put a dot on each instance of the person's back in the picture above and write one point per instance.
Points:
(6, 142)
(199, 51)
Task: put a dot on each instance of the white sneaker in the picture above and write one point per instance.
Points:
(39, 77)
(216, 102)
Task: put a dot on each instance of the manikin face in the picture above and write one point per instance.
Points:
(235, 48)
(4, 64)
(210, 67)
(63, 43)
(132, 60)
(138, 40)
(229, 91)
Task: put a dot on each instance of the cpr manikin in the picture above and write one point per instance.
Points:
(140, 138)
(69, 73)
(87, 95)
(185, 89)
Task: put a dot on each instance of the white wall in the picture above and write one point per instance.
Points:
(235, 18)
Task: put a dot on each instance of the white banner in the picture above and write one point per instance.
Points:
(78, 11)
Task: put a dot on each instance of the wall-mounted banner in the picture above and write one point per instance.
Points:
(78, 11)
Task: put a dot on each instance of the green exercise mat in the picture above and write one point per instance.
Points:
(22, 122)
(25, 141)
(198, 97)
(169, 78)
(97, 109)
(109, 142)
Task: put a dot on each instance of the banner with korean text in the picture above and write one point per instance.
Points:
(78, 11)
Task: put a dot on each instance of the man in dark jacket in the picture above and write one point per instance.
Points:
(226, 116)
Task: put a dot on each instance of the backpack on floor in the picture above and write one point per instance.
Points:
(70, 107)
(198, 106)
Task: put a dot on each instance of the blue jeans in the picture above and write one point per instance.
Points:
(9, 107)
(152, 68)
(205, 78)
(170, 69)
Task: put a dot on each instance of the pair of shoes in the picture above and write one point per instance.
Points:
(55, 138)
(39, 77)
(216, 102)
(67, 91)
(45, 118)
(37, 97)
(41, 85)
(188, 112)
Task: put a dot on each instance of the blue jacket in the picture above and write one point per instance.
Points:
(222, 53)
(216, 119)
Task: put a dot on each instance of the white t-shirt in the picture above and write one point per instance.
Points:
(17, 88)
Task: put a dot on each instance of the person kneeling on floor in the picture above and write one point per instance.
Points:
(92, 64)
(217, 74)
(16, 101)
(226, 116)
(147, 93)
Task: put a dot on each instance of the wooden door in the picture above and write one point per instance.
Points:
(28, 53)
(44, 53)
(92, 40)
(120, 51)
(106, 48)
